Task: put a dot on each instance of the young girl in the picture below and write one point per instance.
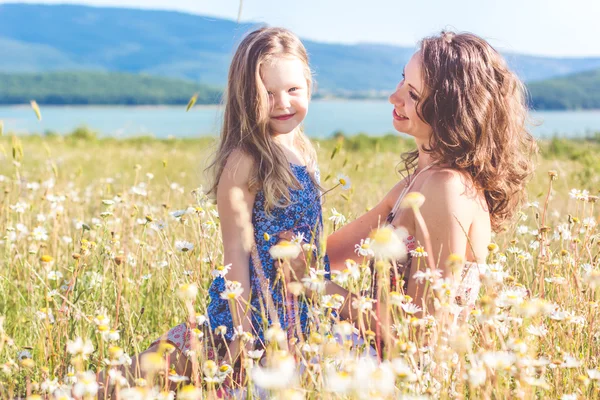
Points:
(266, 182)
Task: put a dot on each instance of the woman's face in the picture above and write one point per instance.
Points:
(404, 100)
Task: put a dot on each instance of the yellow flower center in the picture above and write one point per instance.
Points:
(382, 236)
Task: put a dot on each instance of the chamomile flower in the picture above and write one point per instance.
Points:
(477, 376)
(279, 375)
(334, 302)
(86, 385)
(539, 330)
(344, 181)
(386, 243)
(418, 252)
(427, 275)
(189, 392)
(80, 348)
(233, 290)
(337, 218)
(411, 308)
(285, 250)
(187, 292)
(255, 354)
(299, 238)
(19, 207)
(314, 281)
(594, 374)
(220, 271)
(363, 303)
(363, 248)
(40, 234)
(413, 200)
(183, 246)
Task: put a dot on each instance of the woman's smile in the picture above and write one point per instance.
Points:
(398, 116)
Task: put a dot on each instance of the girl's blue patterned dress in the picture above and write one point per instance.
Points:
(303, 216)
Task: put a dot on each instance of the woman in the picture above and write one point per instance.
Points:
(467, 112)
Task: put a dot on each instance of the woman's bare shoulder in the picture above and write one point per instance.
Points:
(450, 185)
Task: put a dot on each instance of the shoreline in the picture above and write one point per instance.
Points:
(218, 106)
(111, 106)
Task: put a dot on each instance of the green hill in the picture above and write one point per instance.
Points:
(101, 88)
(573, 92)
(44, 38)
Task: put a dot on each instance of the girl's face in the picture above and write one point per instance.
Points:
(404, 100)
(287, 88)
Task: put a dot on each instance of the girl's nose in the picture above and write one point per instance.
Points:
(282, 101)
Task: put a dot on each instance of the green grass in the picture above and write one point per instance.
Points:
(64, 180)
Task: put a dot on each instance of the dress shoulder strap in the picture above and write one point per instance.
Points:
(407, 188)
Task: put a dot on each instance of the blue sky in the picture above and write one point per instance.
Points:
(542, 27)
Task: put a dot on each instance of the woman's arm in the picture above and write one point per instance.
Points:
(340, 244)
(299, 266)
(234, 203)
(447, 213)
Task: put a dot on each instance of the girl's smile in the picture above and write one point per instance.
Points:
(283, 117)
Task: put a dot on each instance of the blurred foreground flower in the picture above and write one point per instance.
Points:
(279, 375)
(387, 243)
(80, 348)
(413, 200)
(285, 250)
(187, 292)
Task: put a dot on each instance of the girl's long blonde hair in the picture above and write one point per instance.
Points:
(246, 116)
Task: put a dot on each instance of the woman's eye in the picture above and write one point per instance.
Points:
(269, 93)
(293, 89)
(413, 96)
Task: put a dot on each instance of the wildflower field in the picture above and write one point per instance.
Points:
(106, 244)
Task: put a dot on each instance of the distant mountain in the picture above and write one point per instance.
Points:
(40, 38)
(101, 88)
(572, 92)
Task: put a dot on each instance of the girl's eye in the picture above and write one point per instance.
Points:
(403, 76)
(293, 89)
(413, 96)
(269, 93)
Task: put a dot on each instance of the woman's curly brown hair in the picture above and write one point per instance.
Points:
(477, 109)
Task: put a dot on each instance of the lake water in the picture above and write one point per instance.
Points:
(324, 118)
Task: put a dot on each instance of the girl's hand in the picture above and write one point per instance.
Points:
(295, 268)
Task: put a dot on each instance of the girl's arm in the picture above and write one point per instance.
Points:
(447, 213)
(340, 244)
(235, 212)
